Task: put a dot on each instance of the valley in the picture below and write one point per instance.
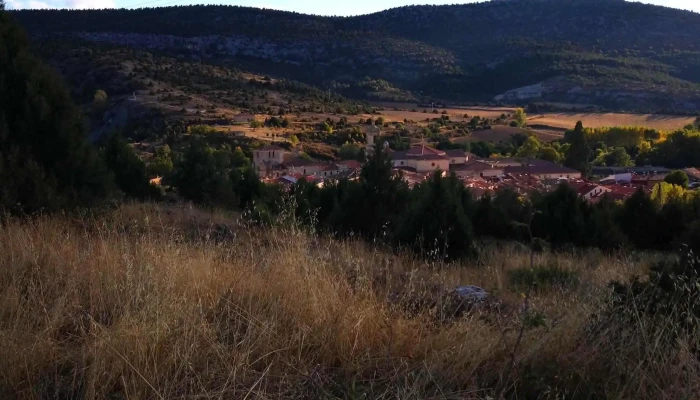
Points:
(485, 201)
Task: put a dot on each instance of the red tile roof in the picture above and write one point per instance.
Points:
(272, 147)
(352, 164)
(548, 169)
(300, 162)
(423, 150)
(622, 190)
(583, 187)
(475, 166)
(456, 153)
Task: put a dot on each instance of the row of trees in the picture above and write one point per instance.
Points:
(582, 147)
(441, 217)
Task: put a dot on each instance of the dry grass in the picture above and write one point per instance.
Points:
(554, 120)
(568, 120)
(502, 133)
(149, 303)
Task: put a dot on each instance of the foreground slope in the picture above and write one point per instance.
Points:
(615, 53)
(151, 303)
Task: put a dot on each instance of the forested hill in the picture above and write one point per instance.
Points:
(609, 52)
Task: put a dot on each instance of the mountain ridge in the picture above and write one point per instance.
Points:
(611, 52)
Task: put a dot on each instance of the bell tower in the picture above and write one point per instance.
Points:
(372, 133)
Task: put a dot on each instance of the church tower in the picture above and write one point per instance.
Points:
(372, 133)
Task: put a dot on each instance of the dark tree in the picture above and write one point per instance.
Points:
(681, 149)
(128, 169)
(562, 217)
(45, 160)
(602, 229)
(203, 176)
(436, 223)
(638, 218)
(498, 215)
(677, 177)
(578, 155)
(370, 207)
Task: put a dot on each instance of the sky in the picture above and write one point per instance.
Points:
(322, 7)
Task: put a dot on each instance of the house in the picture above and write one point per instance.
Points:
(479, 187)
(477, 168)
(413, 178)
(649, 180)
(304, 167)
(588, 190)
(267, 161)
(643, 170)
(693, 174)
(457, 157)
(543, 170)
(422, 158)
(625, 177)
(345, 165)
(616, 192)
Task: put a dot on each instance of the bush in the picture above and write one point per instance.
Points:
(128, 169)
(671, 295)
(677, 177)
(542, 277)
(202, 175)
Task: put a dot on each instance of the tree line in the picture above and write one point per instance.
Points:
(440, 217)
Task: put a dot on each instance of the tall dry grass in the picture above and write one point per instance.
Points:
(155, 303)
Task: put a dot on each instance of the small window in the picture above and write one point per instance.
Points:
(433, 164)
(273, 154)
(269, 154)
(304, 171)
(401, 162)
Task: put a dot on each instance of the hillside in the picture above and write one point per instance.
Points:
(151, 302)
(611, 53)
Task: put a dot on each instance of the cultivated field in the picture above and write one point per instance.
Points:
(499, 133)
(162, 303)
(599, 120)
(554, 120)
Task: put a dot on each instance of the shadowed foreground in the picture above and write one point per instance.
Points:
(163, 303)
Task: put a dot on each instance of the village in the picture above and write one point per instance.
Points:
(276, 165)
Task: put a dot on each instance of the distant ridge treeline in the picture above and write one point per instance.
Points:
(616, 54)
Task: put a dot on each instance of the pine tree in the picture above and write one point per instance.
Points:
(577, 157)
(638, 220)
(436, 223)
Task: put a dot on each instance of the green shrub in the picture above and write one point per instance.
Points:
(542, 278)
